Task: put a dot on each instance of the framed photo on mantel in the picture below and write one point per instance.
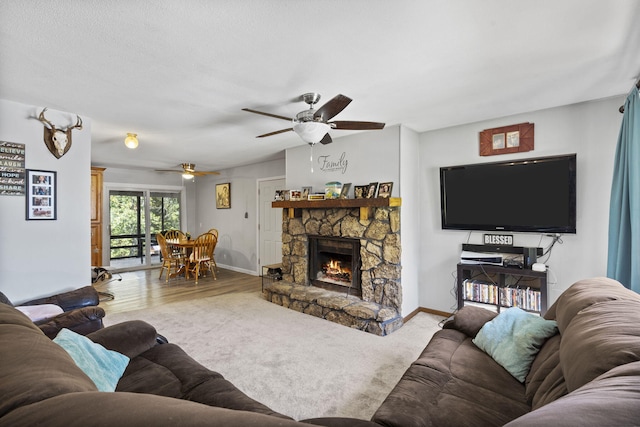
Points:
(507, 139)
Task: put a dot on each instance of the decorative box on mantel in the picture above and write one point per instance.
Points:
(365, 205)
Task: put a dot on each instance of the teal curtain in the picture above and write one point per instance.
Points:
(624, 213)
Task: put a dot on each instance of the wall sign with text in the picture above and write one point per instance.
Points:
(12, 173)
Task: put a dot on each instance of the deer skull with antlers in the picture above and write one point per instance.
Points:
(58, 141)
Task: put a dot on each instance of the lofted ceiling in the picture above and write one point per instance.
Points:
(178, 73)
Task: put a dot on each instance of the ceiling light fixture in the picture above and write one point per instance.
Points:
(311, 132)
(188, 175)
(131, 141)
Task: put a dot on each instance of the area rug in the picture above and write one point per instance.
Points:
(296, 364)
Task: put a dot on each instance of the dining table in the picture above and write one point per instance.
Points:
(187, 245)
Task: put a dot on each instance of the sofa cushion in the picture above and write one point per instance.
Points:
(104, 367)
(453, 382)
(166, 370)
(583, 294)
(609, 400)
(133, 410)
(130, 338)
(33, 368)
(470, 319)
(513, 338)
(599, 338)
(545, 381)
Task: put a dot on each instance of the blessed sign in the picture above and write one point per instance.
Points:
(498, 239)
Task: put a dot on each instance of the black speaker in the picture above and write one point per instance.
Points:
(529, 257)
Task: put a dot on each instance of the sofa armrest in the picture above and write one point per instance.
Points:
(130, 338)
(83, 321)
(339, 422)
(82, 297)
(470, 319)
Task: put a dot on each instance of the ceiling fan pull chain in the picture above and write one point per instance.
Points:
(311, 157)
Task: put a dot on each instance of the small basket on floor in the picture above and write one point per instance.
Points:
(271, 273)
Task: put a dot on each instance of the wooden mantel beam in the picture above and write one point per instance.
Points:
(365, 205)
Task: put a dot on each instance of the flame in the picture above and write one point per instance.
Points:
(333, 269)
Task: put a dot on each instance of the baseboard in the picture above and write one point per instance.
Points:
(239, 270)
(425, 310)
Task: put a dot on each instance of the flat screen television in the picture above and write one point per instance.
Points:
(528, 195)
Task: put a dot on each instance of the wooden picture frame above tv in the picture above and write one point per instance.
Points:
(507, 139)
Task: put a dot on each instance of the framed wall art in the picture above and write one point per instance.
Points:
(41, 195)
(223, 196)
(507, 139)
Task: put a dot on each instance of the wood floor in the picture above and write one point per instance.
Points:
(142, 289)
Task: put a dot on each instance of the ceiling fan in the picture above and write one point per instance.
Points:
(189, 171)
(313, 125)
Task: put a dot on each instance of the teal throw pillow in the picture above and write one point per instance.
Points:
(104, 367)
(513, 338)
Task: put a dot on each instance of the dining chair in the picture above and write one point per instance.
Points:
(170, 261)
(172, 237)
(214, 231)
(201, 255)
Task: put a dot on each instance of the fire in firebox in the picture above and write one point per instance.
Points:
(333, 271)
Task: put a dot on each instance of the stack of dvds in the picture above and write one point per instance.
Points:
(516, 296)
(510, 296)
(479, 291)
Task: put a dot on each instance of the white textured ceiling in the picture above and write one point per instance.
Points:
(178, 73)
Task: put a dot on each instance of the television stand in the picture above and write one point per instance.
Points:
(496, 287)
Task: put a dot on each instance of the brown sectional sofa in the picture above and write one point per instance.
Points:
(586, 375)
(162, 386)
(81, 311)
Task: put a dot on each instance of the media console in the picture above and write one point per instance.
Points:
(496, 287)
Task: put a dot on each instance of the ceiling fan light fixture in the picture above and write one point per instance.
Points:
(311, 132)
(131, 141)
(188, 175)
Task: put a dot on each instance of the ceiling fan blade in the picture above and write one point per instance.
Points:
(202, 173)
(168, 170)
(348, 125)
(332, 107)
(267, 114)
(326, 139)
(274, 133)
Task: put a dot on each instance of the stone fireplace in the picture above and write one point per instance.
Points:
(376, 308)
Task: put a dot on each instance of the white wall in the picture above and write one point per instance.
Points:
(358, 158)
(40, 258)
(410, 218)
(237, 247)
(589, 129)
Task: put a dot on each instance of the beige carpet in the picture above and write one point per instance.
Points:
(296, 364)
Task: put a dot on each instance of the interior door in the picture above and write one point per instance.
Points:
(270, 225)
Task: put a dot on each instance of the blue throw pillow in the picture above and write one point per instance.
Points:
(104, 367)
(513, 338)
